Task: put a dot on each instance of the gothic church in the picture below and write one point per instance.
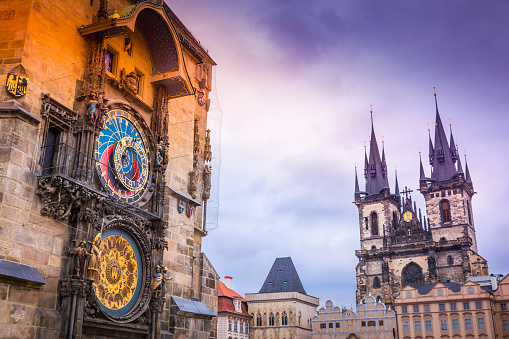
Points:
(400, 246)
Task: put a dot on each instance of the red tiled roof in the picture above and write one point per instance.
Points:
(224, 291)
(225, 301)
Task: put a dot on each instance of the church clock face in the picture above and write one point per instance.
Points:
(407, 216)
(122, 158)
(120, 273)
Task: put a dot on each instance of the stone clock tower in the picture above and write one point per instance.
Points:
(105, 172)
(400, 246)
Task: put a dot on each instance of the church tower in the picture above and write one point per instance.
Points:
(378, 209)
(448, 194)
(400, 246)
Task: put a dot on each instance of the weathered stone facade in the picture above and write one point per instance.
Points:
(400, 246)
(86, 60)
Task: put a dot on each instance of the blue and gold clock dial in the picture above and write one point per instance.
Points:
(122, 157)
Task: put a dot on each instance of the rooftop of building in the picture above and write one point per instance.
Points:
(283, 277)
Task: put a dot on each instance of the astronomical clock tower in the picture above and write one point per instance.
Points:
(104, 197)
(399, 245)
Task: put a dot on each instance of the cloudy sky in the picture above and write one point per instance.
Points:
(295, 81)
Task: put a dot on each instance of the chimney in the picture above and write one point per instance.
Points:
(228, 281)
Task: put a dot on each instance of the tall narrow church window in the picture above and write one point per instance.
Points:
(258, 319)
(445, 211)
(49, 150)
(366, 222)
(394, 220)
(376, 282)
(450, 260)
(284, 319)
(271, 319)
(412, 275)
(374, 223)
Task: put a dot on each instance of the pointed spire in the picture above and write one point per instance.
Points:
(452, 147)
(376, 175)
(431, 149)
(467, 172)
(443, 164)
(396, 187)
(357, 190)
(422, 175)
(460, 168)
(366, 164)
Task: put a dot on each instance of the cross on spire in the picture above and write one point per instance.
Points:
(406, 192)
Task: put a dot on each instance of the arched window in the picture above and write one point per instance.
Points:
(442, 240)
(450, 260)
(284, 319)
(376, 282)
(394, 220)
(373, 248)
(271, 319)
(378, 299)
(445, 211)
(412, 275)
(374, 223)
(258, 319)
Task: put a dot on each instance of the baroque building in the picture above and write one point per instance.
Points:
(372, 320)
(400, 246)
(445, 310)
(232, 313)
(281, 309)
(104, 172)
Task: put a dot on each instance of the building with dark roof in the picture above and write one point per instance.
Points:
(232, 313)
(281, 309)
(399, 246)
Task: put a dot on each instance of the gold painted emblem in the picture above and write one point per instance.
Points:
(407, 216)
(16, 85)
(118, 273)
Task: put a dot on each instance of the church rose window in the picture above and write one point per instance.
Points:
(412, 275)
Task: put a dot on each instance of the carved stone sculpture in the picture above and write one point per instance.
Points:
(207, 151)
(80, 256)
(130, 82)
(193, 178)
(207, 184)
(95, 259)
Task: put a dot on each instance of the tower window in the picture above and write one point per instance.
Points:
(445, 211)
(450, 260)
(376, 282)
(258, 319)
(374, 223)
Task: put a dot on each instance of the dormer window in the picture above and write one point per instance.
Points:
(237, 305)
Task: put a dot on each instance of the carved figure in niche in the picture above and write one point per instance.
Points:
(93, 109)
(193, 177)
(157, 281)
(95, 260)
(162, 157)
(207, 152)
(131, 82)
(207, 184)
(80, 256)
(165, 280)
(128, 45)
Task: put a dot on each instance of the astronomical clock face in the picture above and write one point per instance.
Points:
(122, 158)
(120, 273)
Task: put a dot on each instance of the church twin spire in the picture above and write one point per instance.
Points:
(375, 167)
